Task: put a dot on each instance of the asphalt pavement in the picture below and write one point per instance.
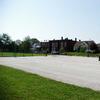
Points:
(80, 71)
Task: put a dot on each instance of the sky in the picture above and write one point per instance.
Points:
(51, 19)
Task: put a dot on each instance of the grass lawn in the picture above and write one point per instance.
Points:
(82, 54)
(19, 85)
(11, 54)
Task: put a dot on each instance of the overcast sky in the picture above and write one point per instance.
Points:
(49, 19)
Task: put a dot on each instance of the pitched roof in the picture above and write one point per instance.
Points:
(90, 42)
(87, 43)
(98, 44)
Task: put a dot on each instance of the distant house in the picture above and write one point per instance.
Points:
(36, 47)
(85, 46)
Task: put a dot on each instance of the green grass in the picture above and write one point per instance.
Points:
(19, 85)
(11, 54)
(82, 54)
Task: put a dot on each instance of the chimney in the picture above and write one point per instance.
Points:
(61, 38)
(75, 39)
(53, 39)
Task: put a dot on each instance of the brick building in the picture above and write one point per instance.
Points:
(56, 46)
(45, 46)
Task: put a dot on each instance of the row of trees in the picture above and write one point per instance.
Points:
(8, 45)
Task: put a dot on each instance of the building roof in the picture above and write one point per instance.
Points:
(98, 45)
(90, 42)
(87, 44)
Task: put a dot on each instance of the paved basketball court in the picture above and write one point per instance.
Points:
(81, 71)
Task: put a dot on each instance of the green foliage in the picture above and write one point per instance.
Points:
(62, 50)
(11, 54)
(34, 40)
(82, 49)
(19, 85)
(5, 42)
(82, 54)
(7, 45)
(27, 44)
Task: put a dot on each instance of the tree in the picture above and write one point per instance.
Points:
(1, 44)
(34, 40)
(26, 44)
(17, 45)
(5, 42)
(61, 50)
